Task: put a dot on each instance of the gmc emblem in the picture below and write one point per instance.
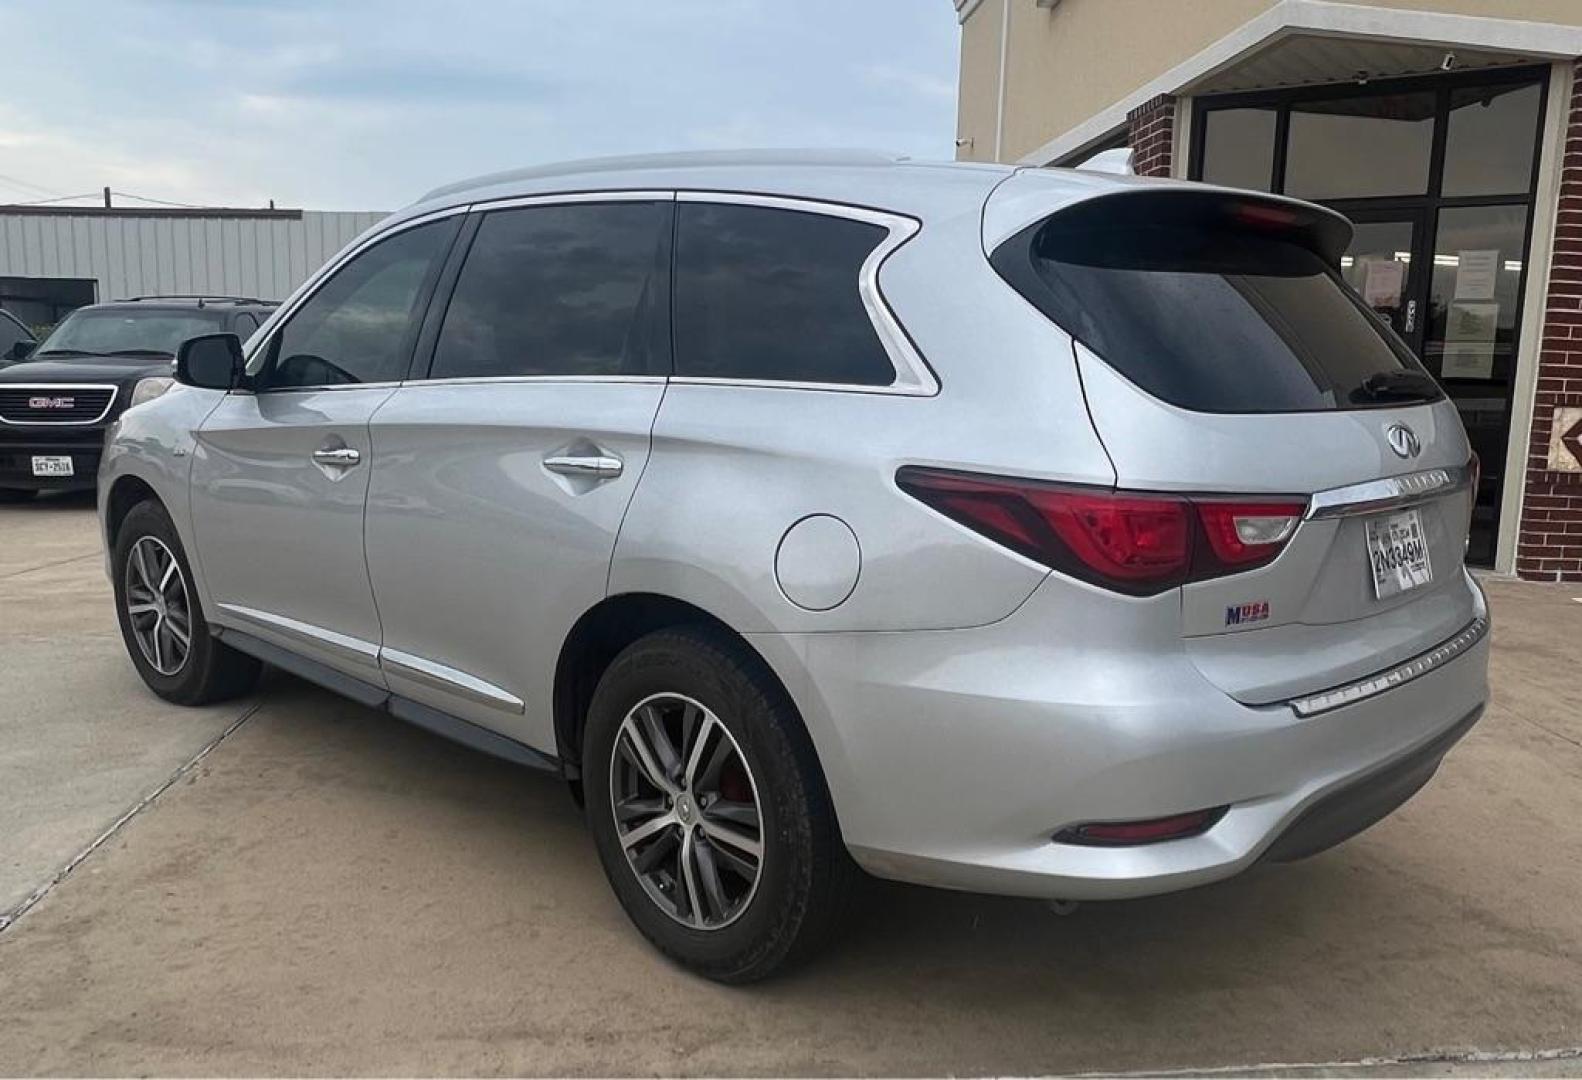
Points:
(51, 402)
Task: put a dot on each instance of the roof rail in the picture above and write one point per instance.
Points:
(201, 298)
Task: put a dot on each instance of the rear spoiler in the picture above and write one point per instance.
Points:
(1094, 201)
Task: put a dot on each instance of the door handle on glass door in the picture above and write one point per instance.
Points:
(342, 456)
(599, 466)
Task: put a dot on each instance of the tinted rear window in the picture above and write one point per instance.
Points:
(1215, 319)
(765, 293)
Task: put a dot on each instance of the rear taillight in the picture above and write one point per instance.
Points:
(1131, 542)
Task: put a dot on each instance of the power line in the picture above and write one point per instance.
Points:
(57, 199)
(159, 202)
(27, 187)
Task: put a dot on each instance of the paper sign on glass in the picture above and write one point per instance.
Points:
(1383, 282)
(1477, 275)
(1469, 341)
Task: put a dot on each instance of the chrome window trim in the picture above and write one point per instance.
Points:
(288, 309)
(354, 648)
(1373, 685)
(493, 380)
(449, 679)
(1387, 494)
(325, 388)
(913, 377)
(108, 405)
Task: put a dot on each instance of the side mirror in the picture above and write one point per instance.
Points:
(213, 361)
(20, 350)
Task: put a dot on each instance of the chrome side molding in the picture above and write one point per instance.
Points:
(1418, 666)
(449, 680)
(1393, 491)
(353, 648)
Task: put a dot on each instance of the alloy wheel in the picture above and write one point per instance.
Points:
(687, 811)
(157, 605)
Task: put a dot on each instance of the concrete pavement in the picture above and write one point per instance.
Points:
(329, 891)
(81, 740)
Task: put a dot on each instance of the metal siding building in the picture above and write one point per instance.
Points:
(55, 258)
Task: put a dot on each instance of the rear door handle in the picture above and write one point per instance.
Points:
(343, 457)
(594, 466)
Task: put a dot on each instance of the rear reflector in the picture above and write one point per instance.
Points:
(1147, 831)
(1137, 543)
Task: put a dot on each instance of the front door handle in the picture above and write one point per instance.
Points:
(342, 457)
(590, 466)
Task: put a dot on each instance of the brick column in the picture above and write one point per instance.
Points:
(1550, 544)
(1150, 130)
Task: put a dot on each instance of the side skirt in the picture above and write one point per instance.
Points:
(364, 693)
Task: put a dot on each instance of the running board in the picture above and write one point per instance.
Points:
(415, 713)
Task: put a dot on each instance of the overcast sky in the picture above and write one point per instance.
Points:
(356, 104)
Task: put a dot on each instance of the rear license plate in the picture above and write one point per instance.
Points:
(1398, 553)
(52, 465)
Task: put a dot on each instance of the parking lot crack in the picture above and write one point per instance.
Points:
(10, 918)
(48, 565)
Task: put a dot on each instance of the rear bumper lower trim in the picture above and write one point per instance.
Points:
(1364, 802)
(1416, 667)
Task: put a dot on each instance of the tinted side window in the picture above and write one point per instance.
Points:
(763, 293)
(559, 290)
(245, 325)
(357, 327)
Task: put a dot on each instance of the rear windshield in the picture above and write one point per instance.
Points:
(1213, 318)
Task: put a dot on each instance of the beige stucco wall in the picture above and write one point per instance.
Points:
(1069, 63)
(978, 100)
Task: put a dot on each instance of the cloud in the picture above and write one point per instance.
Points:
(419, 81)
(363, 104)
(911, 80)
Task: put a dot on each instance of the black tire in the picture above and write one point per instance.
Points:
(805, 876)
(16, 495)
(211, 670)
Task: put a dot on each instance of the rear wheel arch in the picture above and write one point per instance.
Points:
(602, 633)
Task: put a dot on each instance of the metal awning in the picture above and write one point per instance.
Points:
(1312, 59)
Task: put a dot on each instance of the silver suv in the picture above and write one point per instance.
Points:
(1016, 530)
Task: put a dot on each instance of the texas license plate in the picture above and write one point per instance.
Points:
(52, 465)
(1398, 553)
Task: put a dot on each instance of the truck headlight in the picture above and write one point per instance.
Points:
(151, 388)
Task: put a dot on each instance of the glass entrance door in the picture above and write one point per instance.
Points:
(1382, 265)
(1439, 175)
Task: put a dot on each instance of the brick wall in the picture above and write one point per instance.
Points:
(1550, 544)
(1150, 131)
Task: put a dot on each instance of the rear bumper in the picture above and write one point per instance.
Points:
(954, 757)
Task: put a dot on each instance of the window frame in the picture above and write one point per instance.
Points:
(914, 376)
(260, 360)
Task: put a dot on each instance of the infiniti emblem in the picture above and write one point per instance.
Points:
(1403, 440)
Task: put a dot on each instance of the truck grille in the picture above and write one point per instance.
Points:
(62, 403)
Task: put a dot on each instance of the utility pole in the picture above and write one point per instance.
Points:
(107, 198)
